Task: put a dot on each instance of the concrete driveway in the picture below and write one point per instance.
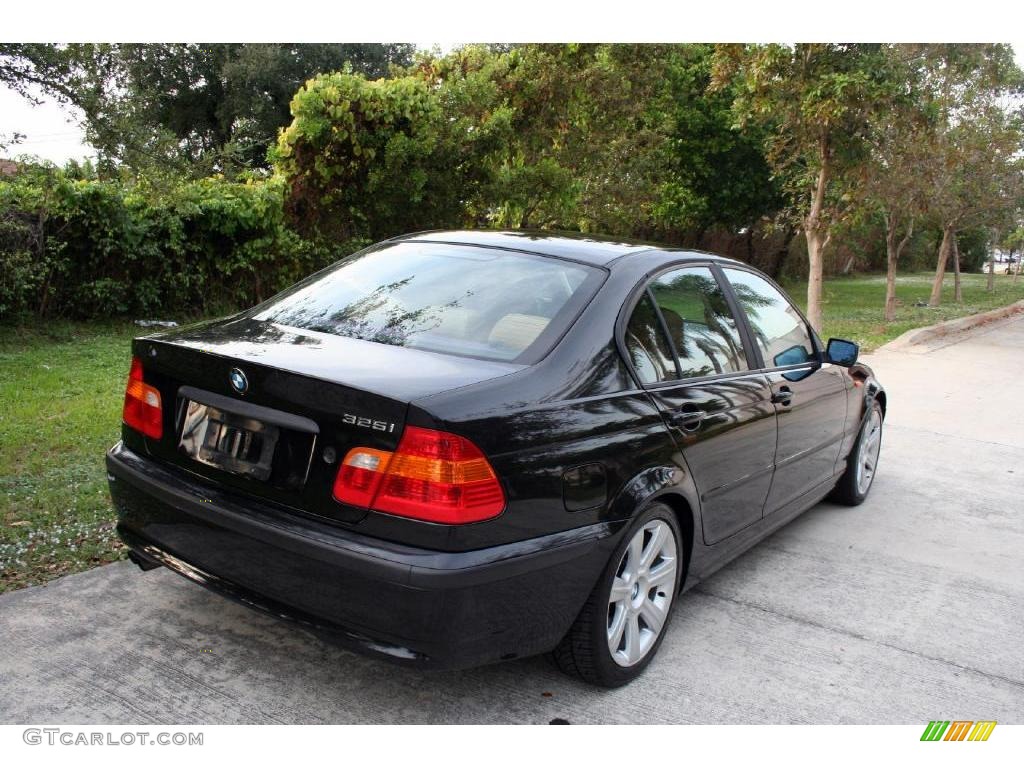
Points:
(907, 609)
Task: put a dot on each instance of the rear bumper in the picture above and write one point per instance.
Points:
(436, 609)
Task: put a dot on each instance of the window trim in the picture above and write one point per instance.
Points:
(664, 327)
(621, 332)
(643, 287)
(817, 360)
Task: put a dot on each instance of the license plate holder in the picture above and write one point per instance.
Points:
(228, 441)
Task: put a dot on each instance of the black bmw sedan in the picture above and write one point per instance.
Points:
(454, 448)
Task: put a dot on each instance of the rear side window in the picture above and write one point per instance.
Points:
(647, 345)
(699, 322)
(780, 332)
(460, 300)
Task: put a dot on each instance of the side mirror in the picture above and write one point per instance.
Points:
(841, 352)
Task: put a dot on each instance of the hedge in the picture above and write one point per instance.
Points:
(85, 248)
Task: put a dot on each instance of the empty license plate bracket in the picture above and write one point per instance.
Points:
(228, 441)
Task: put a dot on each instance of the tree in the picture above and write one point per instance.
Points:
(195, 109)
(975, 171)
(890, 182)
(61, 71)
(814, 102)
(66, 73)
(554, 136)
(509, 111)
(573, 135)
(621, 139)
(535, 136)
(365, 160)
(1014, 242)
(714, 174)
(977, 181)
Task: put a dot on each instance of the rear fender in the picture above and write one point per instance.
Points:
(669, 484)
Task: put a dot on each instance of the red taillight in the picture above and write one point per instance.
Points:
(435, 476)
(142, 409)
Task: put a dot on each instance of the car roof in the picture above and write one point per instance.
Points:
(589, 249)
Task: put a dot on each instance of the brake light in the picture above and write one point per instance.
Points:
(142, 407)
(433, 475)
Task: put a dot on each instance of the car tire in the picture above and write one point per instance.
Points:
(646, 579)
(855, 484)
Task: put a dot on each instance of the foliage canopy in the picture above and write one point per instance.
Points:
(225, 170)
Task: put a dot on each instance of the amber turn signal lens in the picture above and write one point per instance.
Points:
(433, 475)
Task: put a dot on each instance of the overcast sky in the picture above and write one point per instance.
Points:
(53, 133)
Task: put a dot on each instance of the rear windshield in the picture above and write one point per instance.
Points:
(460, 300)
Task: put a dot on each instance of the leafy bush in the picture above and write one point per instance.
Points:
(365, 159)
(87, 248)
(618, 139)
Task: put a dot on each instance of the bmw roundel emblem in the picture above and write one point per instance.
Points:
(238, 380)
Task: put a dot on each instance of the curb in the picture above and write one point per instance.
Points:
(942, 331)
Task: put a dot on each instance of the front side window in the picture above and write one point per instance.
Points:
(460, 300)
(699, 322)
(779, 331)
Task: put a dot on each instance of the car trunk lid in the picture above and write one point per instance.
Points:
(271, 410)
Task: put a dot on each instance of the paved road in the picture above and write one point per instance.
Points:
(907, 609)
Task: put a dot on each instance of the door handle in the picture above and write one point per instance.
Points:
(783, 397)
(688, 419)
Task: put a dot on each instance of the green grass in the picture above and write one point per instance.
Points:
(61, 393)
(854, 306)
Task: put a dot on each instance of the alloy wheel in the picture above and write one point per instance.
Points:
(867, 454)
(642, 593)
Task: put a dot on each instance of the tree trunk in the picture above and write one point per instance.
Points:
(814, 231)
(814, 277)
(991, 286)
(892, 252)
(958, 295)
(940, 268)
(890, 280)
